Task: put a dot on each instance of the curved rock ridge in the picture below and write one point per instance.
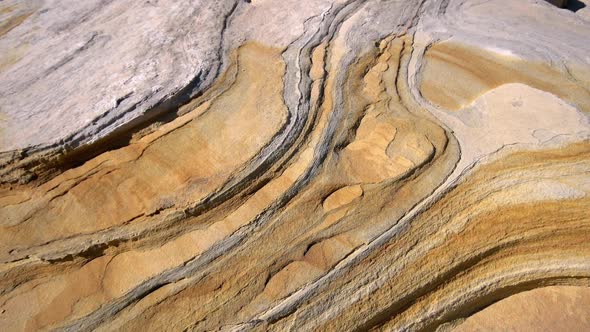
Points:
(330, 165)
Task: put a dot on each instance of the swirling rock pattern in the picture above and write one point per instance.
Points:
(330, 165)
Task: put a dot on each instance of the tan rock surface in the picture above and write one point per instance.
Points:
(554, 308)
(302, 165)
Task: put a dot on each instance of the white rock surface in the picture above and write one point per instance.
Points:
(90, 67)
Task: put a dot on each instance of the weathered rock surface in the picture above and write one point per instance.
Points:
(325, 165)
(555, 308)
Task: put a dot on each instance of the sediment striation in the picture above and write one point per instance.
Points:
(329, 165)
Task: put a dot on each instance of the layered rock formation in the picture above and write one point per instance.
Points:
(326, 165)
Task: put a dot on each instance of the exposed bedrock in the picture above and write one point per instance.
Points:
(294, 165)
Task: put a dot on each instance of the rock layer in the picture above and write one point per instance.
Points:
(308, 165)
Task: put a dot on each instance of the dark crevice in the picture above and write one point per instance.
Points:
(575, 5)
(90, 253)
(572, 5)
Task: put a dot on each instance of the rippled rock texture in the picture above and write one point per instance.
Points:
(294, 165)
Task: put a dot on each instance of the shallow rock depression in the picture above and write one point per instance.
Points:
(316, 165)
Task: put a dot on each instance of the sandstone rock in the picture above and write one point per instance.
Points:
(297, 165)
(555, 308)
